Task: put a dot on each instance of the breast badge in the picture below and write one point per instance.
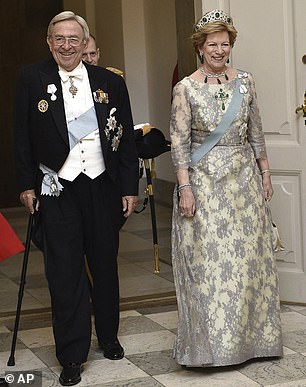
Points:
(43, 106)
(100, 96)
(51, 89)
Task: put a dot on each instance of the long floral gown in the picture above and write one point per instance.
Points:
(224, 268)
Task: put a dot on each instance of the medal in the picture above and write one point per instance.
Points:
(53, 185)
(100, 96)
(243, 89)
(72, 89)
(42, 105)
(51, 89)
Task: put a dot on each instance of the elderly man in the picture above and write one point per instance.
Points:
(91, 53)
(76, 154)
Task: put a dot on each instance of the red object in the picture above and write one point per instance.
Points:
(10, 244)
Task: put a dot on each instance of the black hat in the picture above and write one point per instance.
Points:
(151, 143)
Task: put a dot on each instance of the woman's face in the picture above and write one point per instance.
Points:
(216, 51)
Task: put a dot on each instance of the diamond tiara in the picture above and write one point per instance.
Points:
(214, 16)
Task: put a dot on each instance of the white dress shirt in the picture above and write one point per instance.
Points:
(86, 156)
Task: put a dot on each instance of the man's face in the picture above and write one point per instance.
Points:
(67, 44)
(91, 54)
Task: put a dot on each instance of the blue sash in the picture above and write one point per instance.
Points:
(225, 123)
(78, 128)
(82, 126)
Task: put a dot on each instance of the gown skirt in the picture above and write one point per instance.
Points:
(224, 266)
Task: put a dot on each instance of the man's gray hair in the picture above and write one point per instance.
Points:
(68, 15)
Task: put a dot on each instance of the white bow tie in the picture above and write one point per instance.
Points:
(77, 73)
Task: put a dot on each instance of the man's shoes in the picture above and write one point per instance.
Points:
(112, 350)
(3, 382)
(71, 374)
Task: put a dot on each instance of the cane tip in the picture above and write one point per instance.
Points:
(11, 361)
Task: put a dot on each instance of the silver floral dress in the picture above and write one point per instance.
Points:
(224, 269)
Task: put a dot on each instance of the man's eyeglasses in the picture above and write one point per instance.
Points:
(60, 40)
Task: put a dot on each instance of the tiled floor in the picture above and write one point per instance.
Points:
(147, 325)
(138, 282)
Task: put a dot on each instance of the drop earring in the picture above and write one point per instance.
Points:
(201, 57)
(227, 61)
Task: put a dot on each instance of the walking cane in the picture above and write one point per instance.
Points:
(11, 360)
(153, 215)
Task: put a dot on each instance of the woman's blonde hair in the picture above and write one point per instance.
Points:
(199, 35)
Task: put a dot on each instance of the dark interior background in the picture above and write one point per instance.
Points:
(23, 30)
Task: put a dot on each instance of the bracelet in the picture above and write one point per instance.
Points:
(264, 171)
(182, 186)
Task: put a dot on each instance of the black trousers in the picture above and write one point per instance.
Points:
(83, 220)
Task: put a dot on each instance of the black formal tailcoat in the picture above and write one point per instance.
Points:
(41, 134)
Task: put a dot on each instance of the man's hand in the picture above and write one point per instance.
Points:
(129, 204)
(26, 198)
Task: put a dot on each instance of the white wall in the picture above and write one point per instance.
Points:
(161, 50)
(149, 36)
(134, 41)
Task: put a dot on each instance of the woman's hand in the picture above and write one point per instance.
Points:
(267, 186)
(186, 202)
(263, 166)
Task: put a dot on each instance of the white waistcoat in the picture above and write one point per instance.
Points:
(86, 156)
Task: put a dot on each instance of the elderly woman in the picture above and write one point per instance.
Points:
(225, 273)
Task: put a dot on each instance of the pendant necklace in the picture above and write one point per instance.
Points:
(72, 89)
(217, 76)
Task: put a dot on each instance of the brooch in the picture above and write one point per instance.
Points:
(42, 105)
(221, 96)
(116, 138)
(243, 75)
(100, 96)
(243, 89)
(51, 89)
(113, 131)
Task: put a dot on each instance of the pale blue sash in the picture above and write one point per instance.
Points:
(225, 123)
(79, 128)
(82, 126)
